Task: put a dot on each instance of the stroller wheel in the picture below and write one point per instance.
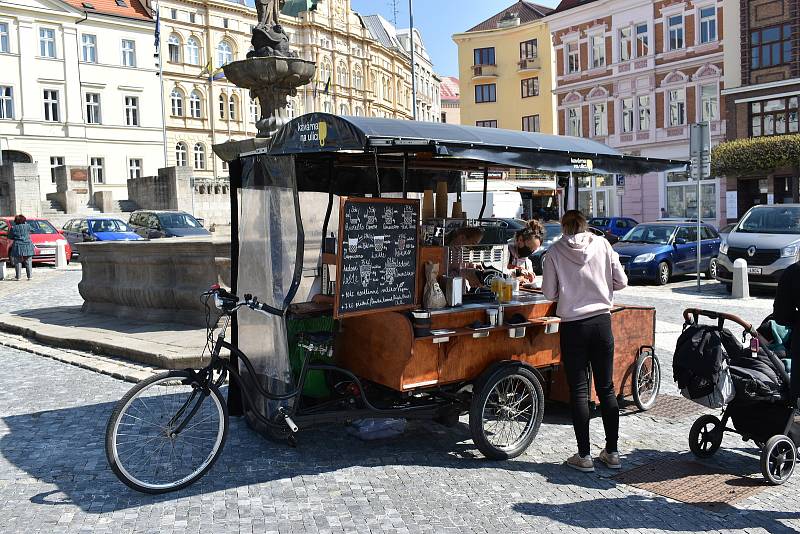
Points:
(705, 437)
(778, 459)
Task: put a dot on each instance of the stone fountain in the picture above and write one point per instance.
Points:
(272, 73)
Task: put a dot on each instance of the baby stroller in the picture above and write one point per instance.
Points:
(750, 384)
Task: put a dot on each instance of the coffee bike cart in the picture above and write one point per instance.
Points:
(351, 341)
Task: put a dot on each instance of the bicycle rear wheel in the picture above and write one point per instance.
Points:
(143, 445)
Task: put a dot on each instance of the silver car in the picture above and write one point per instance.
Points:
(768, 239)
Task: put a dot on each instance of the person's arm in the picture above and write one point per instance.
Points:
(784, 307)
(619, 280)
(549, 279)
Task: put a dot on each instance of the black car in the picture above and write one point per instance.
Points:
(153, 224)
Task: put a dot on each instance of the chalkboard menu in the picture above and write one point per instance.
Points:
(377, 246)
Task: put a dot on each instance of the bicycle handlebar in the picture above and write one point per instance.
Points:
(230, 303)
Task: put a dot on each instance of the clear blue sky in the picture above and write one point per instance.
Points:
(437, 20)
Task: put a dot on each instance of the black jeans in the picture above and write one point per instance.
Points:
(584, 342)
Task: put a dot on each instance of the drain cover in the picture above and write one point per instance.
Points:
(669, 407)
(692, 483)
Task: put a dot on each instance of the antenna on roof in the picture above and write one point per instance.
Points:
(395, 11)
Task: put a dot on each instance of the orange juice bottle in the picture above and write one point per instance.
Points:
(496, 286)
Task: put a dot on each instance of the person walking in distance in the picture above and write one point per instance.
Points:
(22, 247)
(581, 272)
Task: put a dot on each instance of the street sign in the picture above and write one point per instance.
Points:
(700, 158)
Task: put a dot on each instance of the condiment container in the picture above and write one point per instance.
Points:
(491, 316)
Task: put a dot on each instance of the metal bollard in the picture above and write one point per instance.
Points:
(2, 269)
(741, 284)
(61, 254)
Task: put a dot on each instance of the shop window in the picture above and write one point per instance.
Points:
(776, 116)
(682, 197)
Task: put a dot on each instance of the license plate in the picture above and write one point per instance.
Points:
(754, 270)
(43, 251)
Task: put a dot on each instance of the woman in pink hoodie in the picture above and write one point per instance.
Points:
(581, 272)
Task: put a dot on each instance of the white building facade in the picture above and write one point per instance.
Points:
(79, 87)
(429, 101)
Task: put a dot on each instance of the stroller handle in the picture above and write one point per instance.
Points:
(690, 315)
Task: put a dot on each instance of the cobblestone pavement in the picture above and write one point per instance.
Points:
(54, 476)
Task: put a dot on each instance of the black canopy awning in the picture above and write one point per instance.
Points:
(343, 149)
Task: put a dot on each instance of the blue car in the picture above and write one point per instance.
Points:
(657, 251)
(619, 226)
(98, 229)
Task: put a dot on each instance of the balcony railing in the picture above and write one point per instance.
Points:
(529, 63)
(482, 71)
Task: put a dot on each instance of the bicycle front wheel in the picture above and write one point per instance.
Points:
(166, 432)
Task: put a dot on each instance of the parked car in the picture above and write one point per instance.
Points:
(768, 238)
(657, 251)
(618, 226)
(98, 229)
(725, 230)
(553, 234)
(45, 239)
(152, 224)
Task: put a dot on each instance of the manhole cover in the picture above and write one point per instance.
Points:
(692, 483)
(669, 407)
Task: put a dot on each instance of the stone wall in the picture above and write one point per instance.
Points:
(19, 190)
(175, 189)
(73, 188)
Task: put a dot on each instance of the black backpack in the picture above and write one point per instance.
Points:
(700, 356)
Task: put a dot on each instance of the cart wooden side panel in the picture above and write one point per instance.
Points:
(634, 328)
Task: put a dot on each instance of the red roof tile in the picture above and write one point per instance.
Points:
(132, 9)
(449, 89)
(527, 12)
(569, 4)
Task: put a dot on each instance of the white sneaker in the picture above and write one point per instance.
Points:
(611, 459)
(581, 463)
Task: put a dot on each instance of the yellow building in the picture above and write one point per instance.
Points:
(506, 71)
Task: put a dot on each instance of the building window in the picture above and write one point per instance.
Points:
(644, 113)
(254, 113)
(5, 45)
(223, 105)
(341, 75)
(675, 25)
(642, 45)
(327, 107)
(682, 197)
(173, 14)
(291, 110)
(486, 124)
(359, 112)
(194, 105)
(627, 115)
(358, 79)
(92, 108)
(485, 93)
(528, 49)
(128, 53)
(676, 100)
(176, 99)
(225, 23)
(51, 105)
(709, 103)
(180, 154)
(484, 56)
(132, 110)
(599, 119)
(232, 108)
(342, 110)
(224, 53)
(574, 122)
(625, 44)
(530, 87)
(530, 123)
(573, 58)
(193, 19)
(708, 24)
(134, 168)
(89, 48)
(174, 49)
(47, 42)
(598, 51)
(199, 156)
(96, 170)
(6, 102)
(192, 51)
(55, 161)
(774, 117)
(771, 46)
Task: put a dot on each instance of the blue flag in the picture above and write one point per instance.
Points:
(158, 28)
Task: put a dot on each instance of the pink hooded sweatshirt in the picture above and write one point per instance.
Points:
(581, 272)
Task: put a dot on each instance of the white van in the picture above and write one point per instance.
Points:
(499, 204)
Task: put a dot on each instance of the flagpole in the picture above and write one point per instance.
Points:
(161, 81)
(413, 70)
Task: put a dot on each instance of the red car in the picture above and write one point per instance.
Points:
(44, 236)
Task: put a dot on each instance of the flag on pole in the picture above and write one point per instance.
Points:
(218, 74)
(328, 84)
(206, 72)
(157, 33)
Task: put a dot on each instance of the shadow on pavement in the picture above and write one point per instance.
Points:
(73, 317)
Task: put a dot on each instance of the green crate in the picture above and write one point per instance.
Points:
(316, 385)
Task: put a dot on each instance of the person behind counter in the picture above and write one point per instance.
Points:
(525, 242)
(581, 273)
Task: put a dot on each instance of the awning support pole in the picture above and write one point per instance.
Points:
(405, 174)
(485, 187)
(377, 174)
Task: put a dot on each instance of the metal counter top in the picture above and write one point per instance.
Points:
(522, 299)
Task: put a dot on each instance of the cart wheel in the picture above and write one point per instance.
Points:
(778, 459)
(646, 380)
(705, 437)
(506, 412)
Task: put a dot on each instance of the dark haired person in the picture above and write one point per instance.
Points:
(526, 242)
(581, 273)
(786, 311)
(22, 248)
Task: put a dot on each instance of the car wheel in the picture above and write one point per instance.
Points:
(662, 278)
(711, 273)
